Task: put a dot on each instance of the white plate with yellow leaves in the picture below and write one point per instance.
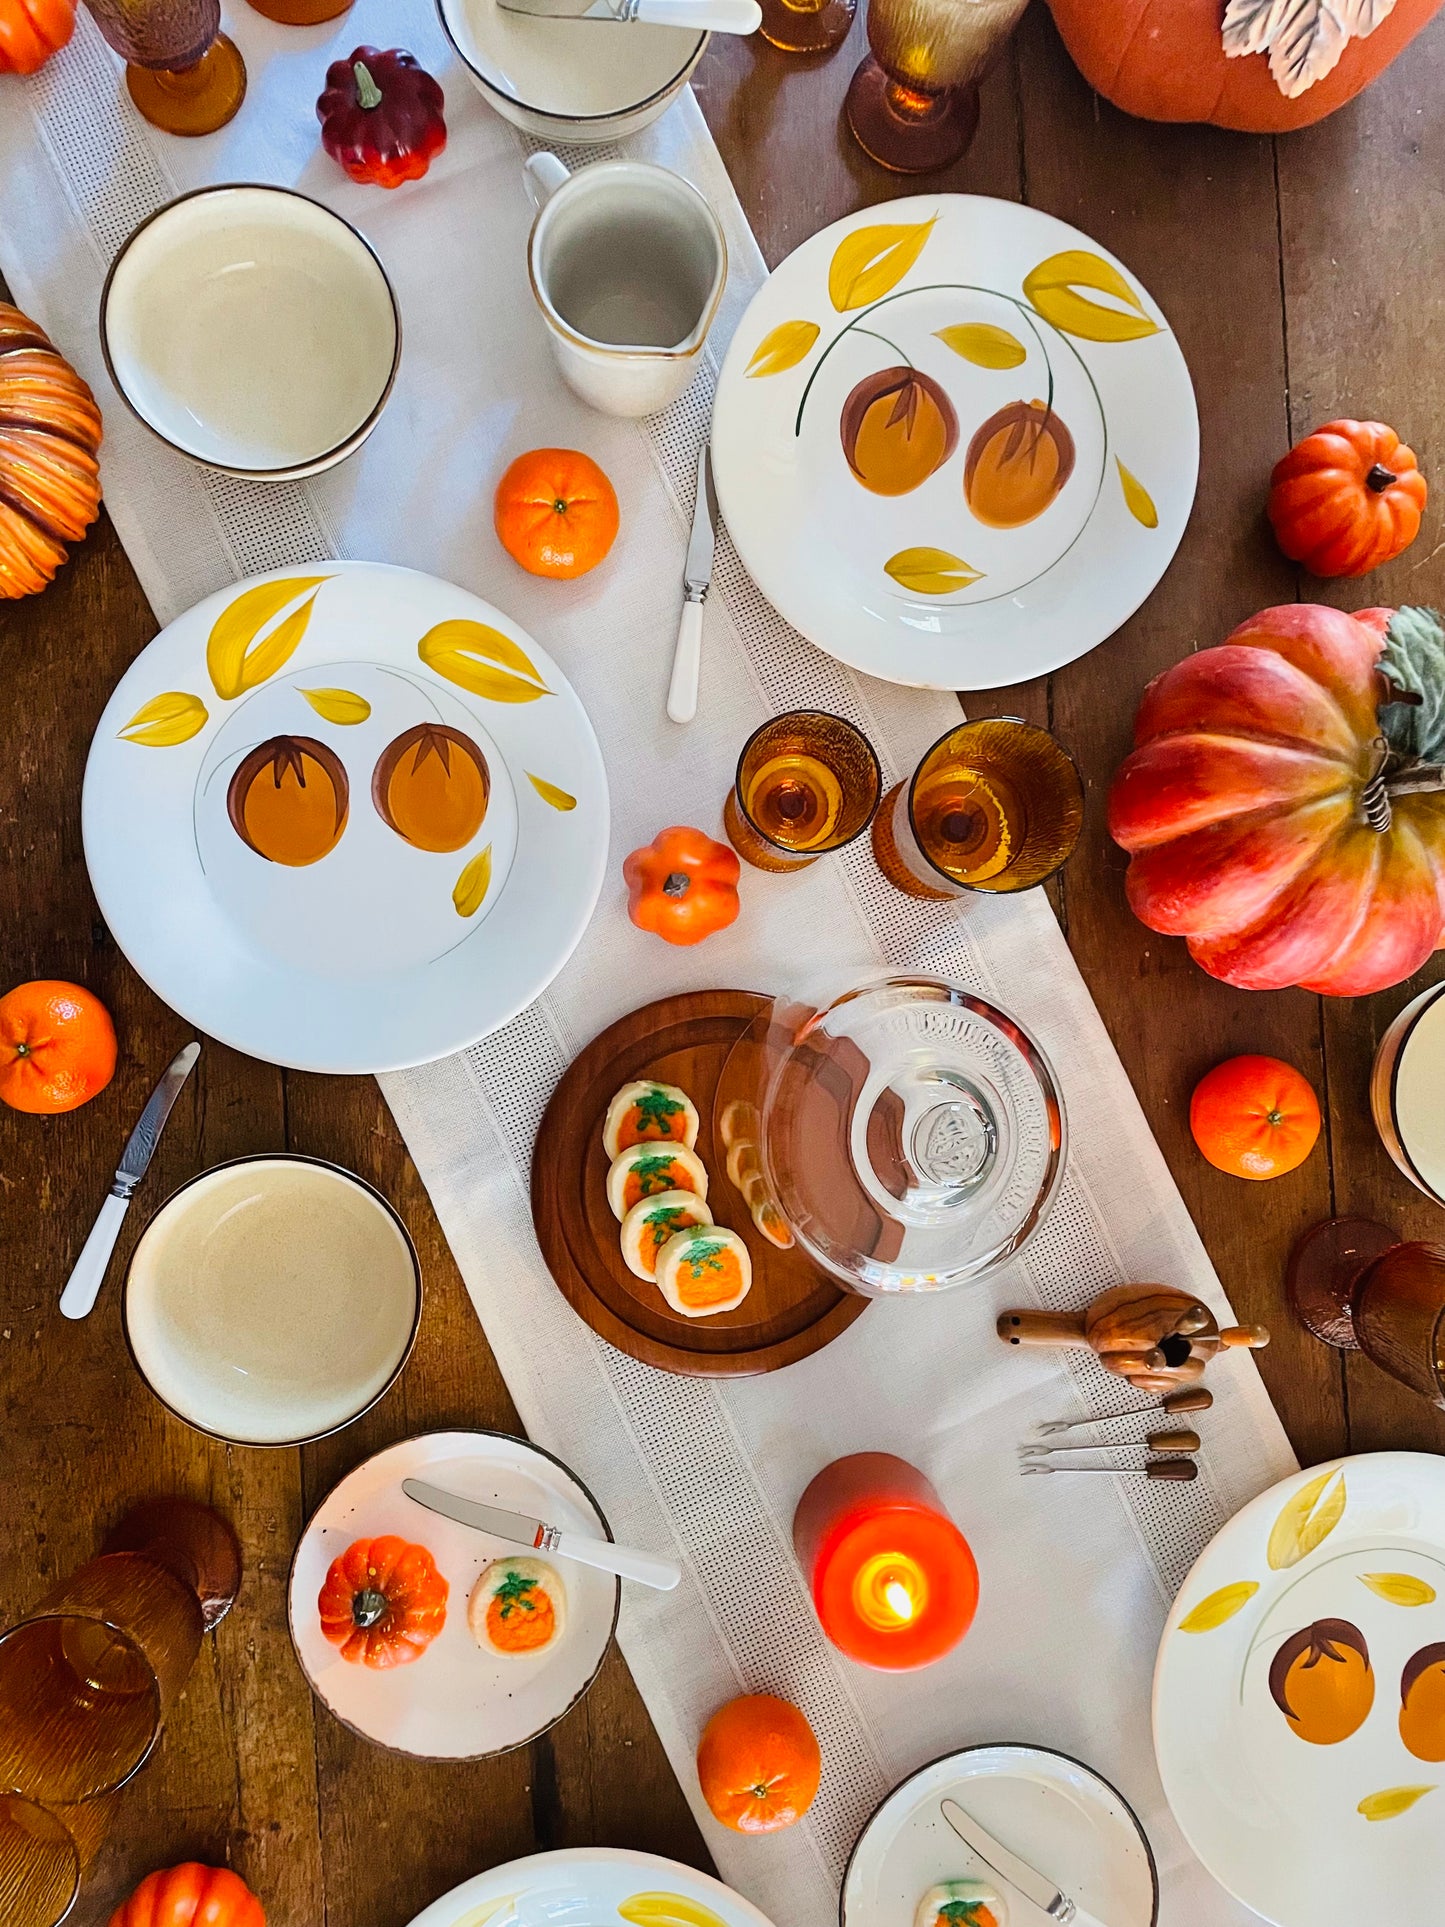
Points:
(955, 442)
(1299, 1697)
(591, 1887)
(345, 818)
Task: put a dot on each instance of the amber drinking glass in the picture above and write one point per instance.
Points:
(301, 13)
(807, 26)
(807, 783)
(183, 73)
(44, 1852)
(995, 805)
(913, 104)
(1355, 1285)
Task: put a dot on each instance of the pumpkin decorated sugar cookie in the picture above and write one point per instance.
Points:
(654, 1223)
(518, 1608)
(705, 1271)
(961, 1903)
(647, 1112)
(645, 1170)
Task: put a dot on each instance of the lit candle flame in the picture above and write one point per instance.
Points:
(900, 1599)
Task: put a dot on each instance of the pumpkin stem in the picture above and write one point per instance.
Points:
(1380, 478)
(367, 1607)
(676, 884)
(368, 95)
(1419, 779)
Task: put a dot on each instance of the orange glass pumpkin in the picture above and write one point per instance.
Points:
(1165, 60)
(49, 435)
(383, 1602)
(1283, 811)
(191, 1896)
(1346, 498)
(31, 31)
(683, 886)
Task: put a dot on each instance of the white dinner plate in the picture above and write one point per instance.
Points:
(1047, 437)
(377, 953)
(591, 1887)
(1334, 1816)
(456, 1702)
(1058, 1815)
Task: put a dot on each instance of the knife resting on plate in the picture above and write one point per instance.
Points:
(1018, 1874)
(661, 1574)
(702, 16)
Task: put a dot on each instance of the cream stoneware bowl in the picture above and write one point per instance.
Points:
(252, 329)
(583, 82)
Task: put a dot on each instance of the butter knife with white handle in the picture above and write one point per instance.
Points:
(700, 16)
(83, 1286)
(661, 1574)
(696, 580)
(1016, 1873)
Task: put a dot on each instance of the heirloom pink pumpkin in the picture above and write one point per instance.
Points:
(1284, 809)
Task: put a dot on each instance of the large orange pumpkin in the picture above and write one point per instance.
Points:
(1164, 60)
(1283, 811)
(49, 435)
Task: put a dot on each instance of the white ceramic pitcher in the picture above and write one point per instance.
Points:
(627, 263)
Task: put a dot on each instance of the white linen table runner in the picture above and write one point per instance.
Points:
(1076, 1576)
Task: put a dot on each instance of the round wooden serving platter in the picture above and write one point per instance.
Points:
(793, 1308)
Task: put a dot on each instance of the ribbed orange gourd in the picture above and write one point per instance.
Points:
(31, 31)
(191, 1896)
(1284, 806)
(49, 435)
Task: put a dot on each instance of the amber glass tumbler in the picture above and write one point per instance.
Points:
(995, 805)
(44, 1852)
(807, 26)
(913, 104)
(302, 13)
(183, 73)
(1355, 1285)
(807, 783)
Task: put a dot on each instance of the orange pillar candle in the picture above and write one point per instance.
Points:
(892, 1577)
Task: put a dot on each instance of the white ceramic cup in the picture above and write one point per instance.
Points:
(627, 263)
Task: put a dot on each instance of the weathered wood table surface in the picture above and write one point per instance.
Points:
(1305, 278)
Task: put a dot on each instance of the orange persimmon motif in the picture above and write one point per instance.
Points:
(898, 427)
(1016, 464)
(289, 799)
(383, 1602)
(1422, 1704)
(1322, 1682)
(431, 786)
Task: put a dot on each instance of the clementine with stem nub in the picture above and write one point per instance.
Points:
(758, 1764)
(1254, 1117)
(556, 512)
(57, 1046)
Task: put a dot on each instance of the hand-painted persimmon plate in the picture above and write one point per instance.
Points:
(1299, 1697)
(955, 442)
(591, 1887)
(346, 817)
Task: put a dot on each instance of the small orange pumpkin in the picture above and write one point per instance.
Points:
(191, 1896)
(31, 31)
(49, 434)
(383, 1602)
(1346, 498)
(682, 886)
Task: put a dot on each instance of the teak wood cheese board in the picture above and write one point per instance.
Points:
(793, 1309)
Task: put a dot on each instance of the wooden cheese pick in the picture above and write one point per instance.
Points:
(1193, 1398)
(1181, 1441)
(1179, 1470)
(1156, 1337)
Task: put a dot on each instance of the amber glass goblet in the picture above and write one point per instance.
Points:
(302, 13)
(995, 805)
(913, 104)
(807, 26)
(44, 1853)
(183, 74)
(807, 783)
(1357, 1286)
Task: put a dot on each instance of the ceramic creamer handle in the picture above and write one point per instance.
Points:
(544, 174)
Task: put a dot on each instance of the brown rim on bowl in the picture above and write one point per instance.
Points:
(291, 471)
(279, 1157)
(1385, 1086)
(493, 1753)
(549, 113)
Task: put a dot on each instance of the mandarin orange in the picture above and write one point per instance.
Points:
(57, 1046)
(556, 512)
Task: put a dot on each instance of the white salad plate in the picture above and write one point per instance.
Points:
(1017, 394)
(456, 1702)
(1299, 1697)
(369, 950)
(591, 1887)
(1056, 1814)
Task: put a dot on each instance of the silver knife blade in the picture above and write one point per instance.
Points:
(697, 570)
(514, 1527)
(141, 1145)
(1018, 1873)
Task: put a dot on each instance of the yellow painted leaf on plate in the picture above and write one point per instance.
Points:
(1394, 1801)
(490, 1911)
(1137, 498)
(1053, 288)
(783, 347)
(338, 705)
(473, 884)
(481, 659)
(668, 1910)
(166, 720)
(1219, 1607)
(1400, 1588)
(549, 793)
(237, 655)
(984, 345)
(871, 261)
(1308, 1519)
(931, 571)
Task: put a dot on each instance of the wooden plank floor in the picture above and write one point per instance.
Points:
(1304, 279)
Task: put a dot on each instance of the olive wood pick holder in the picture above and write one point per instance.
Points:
(1154, 1336)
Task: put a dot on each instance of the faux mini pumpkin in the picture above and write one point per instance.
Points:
(1165, 60)
(191, 1896)
(1346, 498)
(31, 31)
(383, 1602)
(49, 435)
(1284, 809)
(682, 886)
